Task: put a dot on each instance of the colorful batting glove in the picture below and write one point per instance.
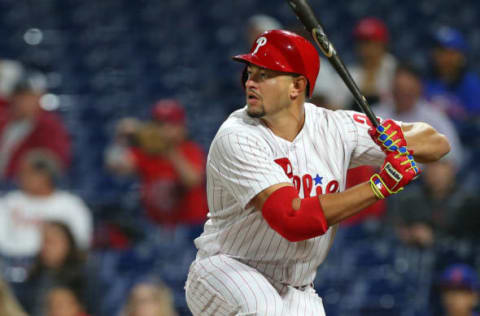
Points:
(388, 136)
(398, 170)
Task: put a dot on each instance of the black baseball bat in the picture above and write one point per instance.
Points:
(305, 14)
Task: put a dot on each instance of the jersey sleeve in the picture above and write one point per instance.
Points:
(364, 151)
(243, 164)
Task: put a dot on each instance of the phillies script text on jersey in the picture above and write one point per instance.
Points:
(306, 180)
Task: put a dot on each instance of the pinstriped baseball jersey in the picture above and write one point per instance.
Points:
(246, 157)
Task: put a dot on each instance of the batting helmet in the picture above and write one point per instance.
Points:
(285, 52)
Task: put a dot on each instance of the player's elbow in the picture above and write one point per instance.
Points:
(429, 145)
(440, 146)
(289, 233)
(294, 234)
(443, 146)
(294, 224)
(296, 237)
(292, 238)
(282, 228)
(294, 228)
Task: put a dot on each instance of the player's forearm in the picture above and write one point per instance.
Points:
(339, 206)
(427, 144)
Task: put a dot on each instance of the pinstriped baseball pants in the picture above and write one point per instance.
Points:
(220, 285)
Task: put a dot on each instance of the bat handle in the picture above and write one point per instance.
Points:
(363, 104)
(305, 14)
(359, 98)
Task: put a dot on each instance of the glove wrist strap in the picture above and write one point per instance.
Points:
(379, 188)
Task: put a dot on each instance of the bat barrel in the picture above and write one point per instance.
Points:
(359, 98)
(305, 14)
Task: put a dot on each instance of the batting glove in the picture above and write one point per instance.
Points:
(388, 136)
(398, 170)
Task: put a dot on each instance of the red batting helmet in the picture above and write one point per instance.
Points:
(285, 52)
(371, 29)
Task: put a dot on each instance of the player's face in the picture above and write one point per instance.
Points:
(267, 91)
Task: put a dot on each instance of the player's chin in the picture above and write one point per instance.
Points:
(255, 111)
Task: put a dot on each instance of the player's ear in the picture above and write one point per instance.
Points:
(298, 87)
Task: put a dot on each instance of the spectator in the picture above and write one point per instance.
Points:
(11, 73)
(8, 303)
(149, 299)
(22, 211)
(373, 73)
(125, 138)
(421, 213)
(459, 287)
(326, 87)
(59, 261)
(64, 301)
(452, 85)
(171, 168)
(408, 105)
(26, 126)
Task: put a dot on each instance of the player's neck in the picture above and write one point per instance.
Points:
(288, 123)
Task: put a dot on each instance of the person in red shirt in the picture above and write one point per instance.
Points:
(171, 167)
(24, 126)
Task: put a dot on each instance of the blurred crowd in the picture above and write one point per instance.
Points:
(49, 235)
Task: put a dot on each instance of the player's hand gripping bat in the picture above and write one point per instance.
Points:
(305, 14)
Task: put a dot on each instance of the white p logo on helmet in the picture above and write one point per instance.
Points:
(261, 41)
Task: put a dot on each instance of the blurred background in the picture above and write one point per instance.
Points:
(107, 111)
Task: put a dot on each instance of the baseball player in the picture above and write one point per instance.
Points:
(275, 183)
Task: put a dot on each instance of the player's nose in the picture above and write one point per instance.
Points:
(251, 84)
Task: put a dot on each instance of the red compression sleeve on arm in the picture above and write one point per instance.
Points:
(294, 225)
